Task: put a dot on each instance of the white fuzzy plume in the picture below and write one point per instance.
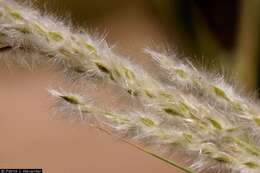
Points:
(217, 129)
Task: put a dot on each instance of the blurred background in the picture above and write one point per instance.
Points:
(218, 35)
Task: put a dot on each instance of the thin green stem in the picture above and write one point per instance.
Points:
(168, 161)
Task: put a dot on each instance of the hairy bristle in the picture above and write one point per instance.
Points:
(205, 119)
